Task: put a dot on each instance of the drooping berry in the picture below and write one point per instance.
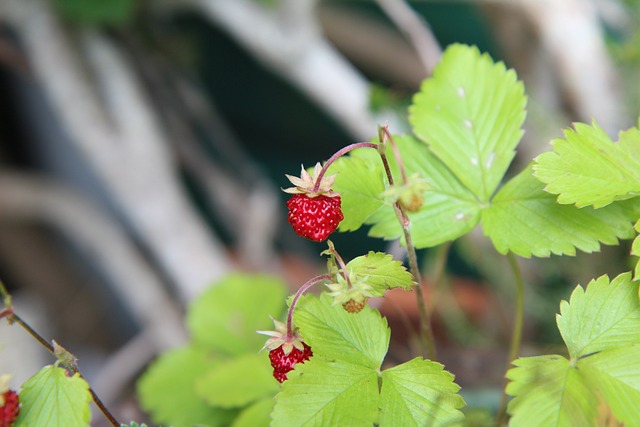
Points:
(9, 408)
(286, 349)
(283, 363)
(314, 209)
(314, 217)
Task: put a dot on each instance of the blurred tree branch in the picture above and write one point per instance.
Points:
(294, 47)
(28, 198)
(101, 105)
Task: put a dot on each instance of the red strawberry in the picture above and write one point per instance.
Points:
(286, 348)
(9, 408)
(314, 208)
(283, 363)
(314, 217)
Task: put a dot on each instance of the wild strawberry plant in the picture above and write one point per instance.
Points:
(323, 365)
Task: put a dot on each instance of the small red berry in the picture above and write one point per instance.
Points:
(283, 363)
(314, 217)
(9, 408)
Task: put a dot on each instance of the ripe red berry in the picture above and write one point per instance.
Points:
(283, 363)
(9, 408)
(314, 217)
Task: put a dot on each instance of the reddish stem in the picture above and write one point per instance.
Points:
(386, 136)
(339, 154)
(6, 312)
(297, 296)
(343, 266)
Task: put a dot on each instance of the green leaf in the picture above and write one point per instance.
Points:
(635, 251)
(601, 327)
(51, 398)
(225, 318)
(167, 390)
(237, 382)
(524, 219)
(360, 182)
(449, 211)
(420, 393)
(133, 424)
(605, 316)
(587, 168)
(616, 376)
(322, 393)
(470, 113)
(257, 414)
(548, 391)
(94, 12)
(334, 334)
(381, 272)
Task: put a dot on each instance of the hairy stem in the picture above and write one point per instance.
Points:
(516, 334)
(343, 266)
(12, 317)
(337, 155)
(297, 296)
(426, 332)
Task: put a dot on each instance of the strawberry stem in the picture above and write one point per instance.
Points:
(385, 135)
(297, 296)
(426, 335)
(343, 266)
(337, 155)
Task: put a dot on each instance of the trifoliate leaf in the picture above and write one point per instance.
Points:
(549, 391)
(323, 393)
(420, 393)
(360, 182)
(257, 414)
(380, 271)
(167, 390)
(615, 376)
(587, 168)
(470, 113)
(225, 318)
(527, 221)
(334, 334)
(605, 316)
(237, 382)
(51, 398)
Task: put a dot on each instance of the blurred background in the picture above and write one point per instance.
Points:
(143, 145)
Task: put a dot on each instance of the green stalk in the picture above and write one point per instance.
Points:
(516, 334)
(426, 332)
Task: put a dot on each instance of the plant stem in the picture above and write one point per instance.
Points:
(12, 317)
(343, 266)
(103, 409)
(516, 335)
(339, 154)
(297, 296)
(426, 332)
